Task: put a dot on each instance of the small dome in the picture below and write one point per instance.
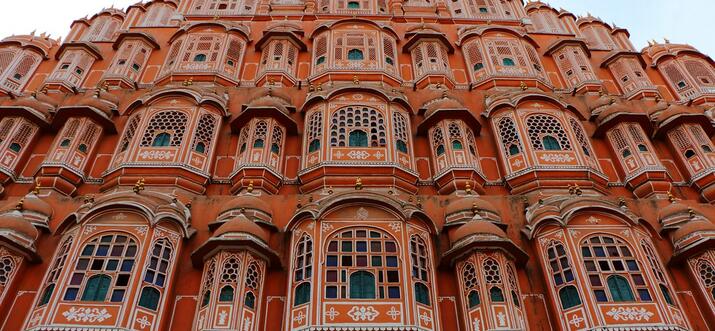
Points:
(475, 228)
(241, 224)
(470, 205)
(597, 106)
(691, 228)
(14, 222)
(247, 202)
(675, 110)
(674, 209)
(33, 203)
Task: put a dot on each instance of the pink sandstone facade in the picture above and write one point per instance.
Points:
(354, 165)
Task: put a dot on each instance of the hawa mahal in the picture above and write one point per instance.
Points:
(376, 165)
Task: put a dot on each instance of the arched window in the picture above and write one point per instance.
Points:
(129, 133)
(149, 298)
(276, 139)
(508, 62)
(302, 294)
(471, 285)
(353, 5)
(7, 269)
(157, 269)
(65, 143)
(96, 288)
(303, 269)
(171, 123)
(229, 278)
(509, 136)
(540, 127)
(347, 120)
(365, 253)
(438, 141)
(260, 134)
(358, 138)
(111, 256)
(706, 271)
(658, 271)
(204, 134)
(355, 54)
(620, 289)
(493, 279)
(562, 274)
(362, 285)
(422, 294)
(314, 145)
(400, 125)
(606, 256)
(55, 270)
(208, 284)
(161, 139)
(569, 297)
(15, 147)
(250, 300)
(200, 58)
(513, 286)
(420, 269)
(550, 143)
(315, 131)
(580, 137)
(253, 279)
(226, 294)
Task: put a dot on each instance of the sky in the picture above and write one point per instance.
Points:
(684, 21)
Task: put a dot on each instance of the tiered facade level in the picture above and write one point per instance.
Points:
(354, 165)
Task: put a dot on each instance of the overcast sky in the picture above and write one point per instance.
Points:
(684, 21)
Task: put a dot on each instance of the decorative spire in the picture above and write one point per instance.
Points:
(19, 204)
(249, 189)
(358, 183)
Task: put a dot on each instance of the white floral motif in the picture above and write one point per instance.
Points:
(576, 320)
(501, 317)
(332, 313)
(153, 155)
(560, 158)
(360, 155)
(477, 325)
(363, 313)
(222, 317)
(593, 220)
(143, 322)
(362, 214)
(247, 323)
(393, 313)
(299, 318)
(89, 229)
(425, 319)
(630, 314)
(36, 318)
(86, 314)
(141, 230)
(396, 226)
(325, 227)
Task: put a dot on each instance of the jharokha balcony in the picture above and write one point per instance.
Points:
(357, 136)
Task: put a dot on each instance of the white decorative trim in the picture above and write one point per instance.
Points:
(362, 313)
(86, 314)
(630, 314)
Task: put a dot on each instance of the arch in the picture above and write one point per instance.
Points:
(339, 89)
(561, 210)
(153, 206)
(362, 285)
(569, 297)
(480, 30)
(199, 97)
(402, 210)
(227, 27)
(336, 24)
(302, 294)
(149, 298)
(96, 288)
(515, 100)
(226, 294)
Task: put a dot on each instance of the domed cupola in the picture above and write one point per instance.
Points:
(33, 208)
(465, 210)
(18, 234)
(251, 207)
